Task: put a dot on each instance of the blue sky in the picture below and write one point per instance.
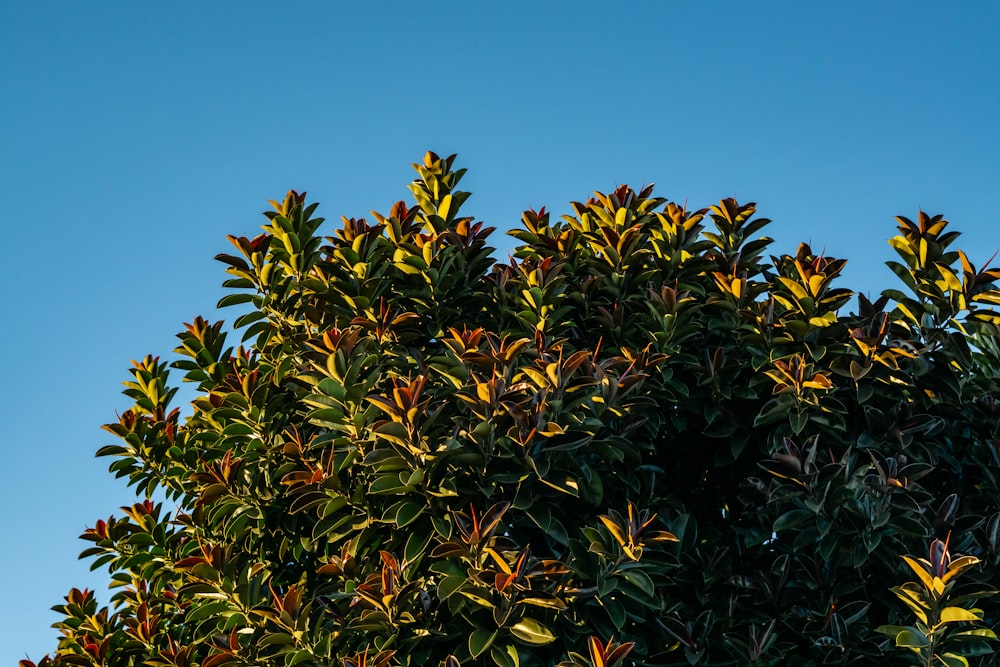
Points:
(135, 136)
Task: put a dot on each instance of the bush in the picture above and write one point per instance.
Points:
(640, 441)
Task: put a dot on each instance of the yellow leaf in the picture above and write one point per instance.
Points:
(498, 559)
(817, 283)
(950, 279)
(925, 576)
(957, 614)
(614, 529)
(959, 565)
(620, 215)
(445, 206)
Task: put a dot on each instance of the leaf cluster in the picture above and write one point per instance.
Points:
(642, 440)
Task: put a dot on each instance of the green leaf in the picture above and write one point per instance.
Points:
(544, 602)
(299, 658)
(912, 638)
(408, 513)
(953, 660)
(449, 585)
(640, 580)
(616, 612)
(890, 630)
(792, 519)
(531, 631)
(416, 545)
(980, 633)
(505, 656)
(480, 640)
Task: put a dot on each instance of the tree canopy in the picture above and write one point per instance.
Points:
(642, 440)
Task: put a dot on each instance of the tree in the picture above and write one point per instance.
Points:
(640, 441)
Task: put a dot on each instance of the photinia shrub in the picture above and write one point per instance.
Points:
(642, 440)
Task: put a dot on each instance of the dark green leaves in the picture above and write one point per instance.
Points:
(639, 440)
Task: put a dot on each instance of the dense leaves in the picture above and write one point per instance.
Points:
(642, 440)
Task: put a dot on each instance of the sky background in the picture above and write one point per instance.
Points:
(135, 136)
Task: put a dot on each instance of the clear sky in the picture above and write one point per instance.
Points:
(135, 135)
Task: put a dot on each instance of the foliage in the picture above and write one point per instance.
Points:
(933, 602)
(642, 440)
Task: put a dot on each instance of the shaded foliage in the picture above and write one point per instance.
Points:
(642, 440)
